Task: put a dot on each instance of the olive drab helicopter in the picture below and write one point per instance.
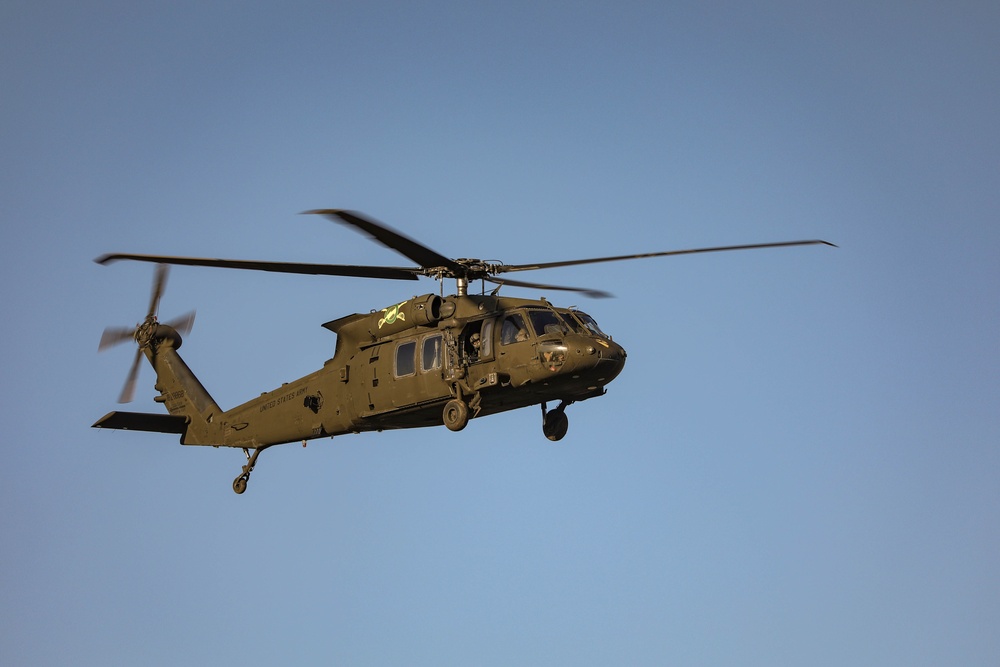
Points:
(424, 361)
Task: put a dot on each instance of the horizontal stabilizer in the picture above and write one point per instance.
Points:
(139, 421)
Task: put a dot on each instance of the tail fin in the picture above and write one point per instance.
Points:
(184, 396)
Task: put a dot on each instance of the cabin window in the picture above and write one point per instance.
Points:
(430, 355)
(406, 358)
(513, 330)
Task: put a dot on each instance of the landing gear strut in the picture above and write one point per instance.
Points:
(555, 423)
(240, 483)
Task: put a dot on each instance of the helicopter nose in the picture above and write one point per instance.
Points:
(597, 356)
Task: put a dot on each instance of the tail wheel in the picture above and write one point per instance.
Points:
(240, 483)
(456, 414)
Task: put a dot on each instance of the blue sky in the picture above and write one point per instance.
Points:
(798, 464)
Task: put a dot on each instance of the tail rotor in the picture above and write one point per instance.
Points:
(144, 332)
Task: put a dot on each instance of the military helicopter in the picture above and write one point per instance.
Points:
(424, 361)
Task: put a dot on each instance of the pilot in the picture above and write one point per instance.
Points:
(513, 330)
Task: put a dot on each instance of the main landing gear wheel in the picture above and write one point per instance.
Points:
(555, 423)
(456, 414)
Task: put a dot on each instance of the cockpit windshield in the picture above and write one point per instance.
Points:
(547, 322)
(590, 324)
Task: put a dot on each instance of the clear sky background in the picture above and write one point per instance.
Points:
(798, 466)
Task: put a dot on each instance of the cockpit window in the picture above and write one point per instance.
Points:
(574, 324)
(513, 330)
(546, 322)
(590, 323)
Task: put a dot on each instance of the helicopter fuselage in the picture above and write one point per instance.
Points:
(400, 366)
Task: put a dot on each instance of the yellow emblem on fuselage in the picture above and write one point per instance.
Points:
(391, 314)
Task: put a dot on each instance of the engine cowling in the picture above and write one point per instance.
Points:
(415, 312)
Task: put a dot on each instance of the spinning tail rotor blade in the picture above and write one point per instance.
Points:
(128, 391)
(159, 284)
(183, 323)
(115, 336)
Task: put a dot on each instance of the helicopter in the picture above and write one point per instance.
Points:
(425, 361)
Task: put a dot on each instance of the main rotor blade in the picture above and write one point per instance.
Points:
(390, 238)
(592, 293)
(575, 262)
(128, 391)
(385, 272)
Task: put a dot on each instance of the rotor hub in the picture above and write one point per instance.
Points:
(146, 331)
